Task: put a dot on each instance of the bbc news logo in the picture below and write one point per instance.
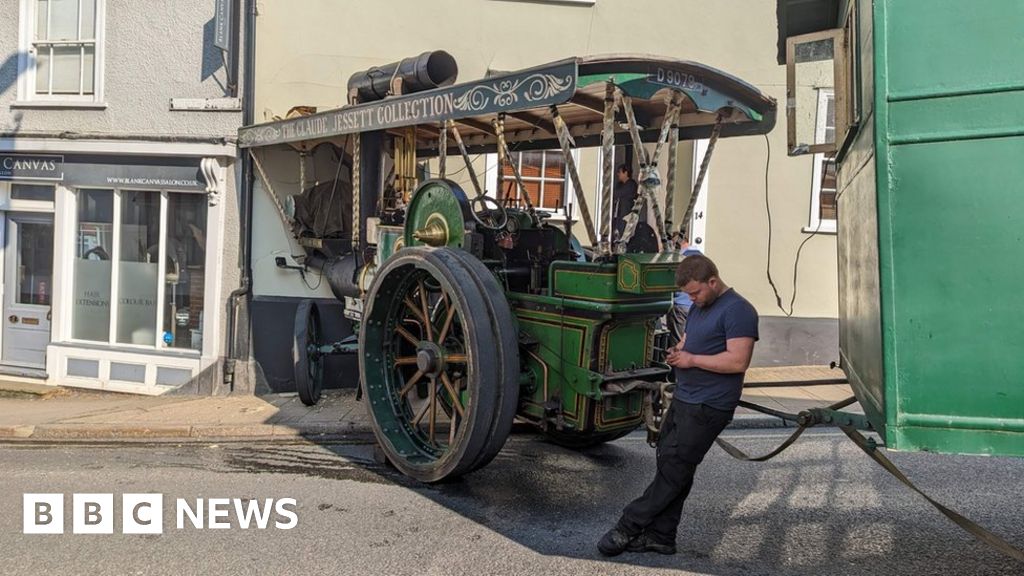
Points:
(144, 513)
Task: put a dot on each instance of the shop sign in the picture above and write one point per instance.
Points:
(32, 167)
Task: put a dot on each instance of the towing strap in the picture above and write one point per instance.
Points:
(871, 449)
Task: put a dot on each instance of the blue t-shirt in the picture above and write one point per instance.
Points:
(707, 329)
(682, 298)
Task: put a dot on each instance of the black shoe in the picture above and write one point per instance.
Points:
(614, 542)
(644, 543)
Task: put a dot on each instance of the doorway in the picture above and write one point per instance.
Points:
(27, 288)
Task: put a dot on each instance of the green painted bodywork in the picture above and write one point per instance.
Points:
(593, 323)
(643, 86)
(435, 203)
(931, 230)
(648, 273)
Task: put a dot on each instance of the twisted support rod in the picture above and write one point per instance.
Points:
(570, 165)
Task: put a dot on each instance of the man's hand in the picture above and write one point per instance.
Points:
(682, 341)
(734, 360)
(680, 359)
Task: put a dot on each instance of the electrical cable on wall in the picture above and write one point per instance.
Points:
(799, 250)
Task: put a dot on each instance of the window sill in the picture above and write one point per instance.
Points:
(60, 104)
(825, 228)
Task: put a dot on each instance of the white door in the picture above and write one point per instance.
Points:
(28, 285)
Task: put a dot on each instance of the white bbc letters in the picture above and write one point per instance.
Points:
(142, 513)
(92, 514)
(43, 514)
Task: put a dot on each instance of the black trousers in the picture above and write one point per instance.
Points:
(687, 434)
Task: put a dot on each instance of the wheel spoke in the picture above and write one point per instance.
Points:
(433, 408)
(412, 382)
(407, 335)
(456, 402)
(426, 319)
(447, 325)
(451, 431)
(405, 361)
(456, 358)
(422, 413)
(415, 309)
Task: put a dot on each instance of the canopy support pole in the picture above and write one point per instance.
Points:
(504, 152)
(442, 151)
(499, 131)
(570, 165)
(703, 171)
(357, 163)
(607, 168)
(649, 179)
(465, 158)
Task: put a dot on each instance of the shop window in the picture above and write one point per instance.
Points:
(140, 267)
(63, 43)
(544, 178)
(92, 271)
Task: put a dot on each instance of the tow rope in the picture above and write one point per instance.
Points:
(870, 447)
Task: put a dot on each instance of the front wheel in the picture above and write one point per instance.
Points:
(439, 362)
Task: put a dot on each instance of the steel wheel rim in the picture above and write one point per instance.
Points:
(424, 367)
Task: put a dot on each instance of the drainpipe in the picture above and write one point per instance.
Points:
(244, 291)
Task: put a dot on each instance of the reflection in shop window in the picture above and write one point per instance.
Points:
(91, 305)
(185, 271)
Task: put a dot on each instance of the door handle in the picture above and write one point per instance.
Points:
(12, 319)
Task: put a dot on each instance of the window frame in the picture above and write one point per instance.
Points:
(115, 258)
(491, 183)
(816, 224)
(840, 84)
(28, 61)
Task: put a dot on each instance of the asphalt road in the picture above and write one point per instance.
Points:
(820, 508)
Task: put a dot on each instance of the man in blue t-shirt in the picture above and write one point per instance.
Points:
(709, 364)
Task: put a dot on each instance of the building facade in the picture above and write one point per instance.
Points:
(731, 220)
(118, 191)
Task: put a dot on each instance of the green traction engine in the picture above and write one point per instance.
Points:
(476, 310)
(475, 318)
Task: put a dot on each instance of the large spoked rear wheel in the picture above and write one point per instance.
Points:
(439, 362)
(307, 361)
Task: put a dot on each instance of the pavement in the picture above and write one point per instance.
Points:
(33, 412)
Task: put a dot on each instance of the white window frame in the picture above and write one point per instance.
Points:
(814, 221)
(27, 62)
(115, 258)
(491, 185)
(18, 205)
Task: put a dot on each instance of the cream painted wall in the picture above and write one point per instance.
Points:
(306, 52)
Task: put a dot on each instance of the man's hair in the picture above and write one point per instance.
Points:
(625, 168)
(695, 267)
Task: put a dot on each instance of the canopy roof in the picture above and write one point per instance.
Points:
(575, 85)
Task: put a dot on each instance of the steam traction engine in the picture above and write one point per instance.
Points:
(478, 309)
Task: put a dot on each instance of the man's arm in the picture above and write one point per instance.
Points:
(734, 360)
